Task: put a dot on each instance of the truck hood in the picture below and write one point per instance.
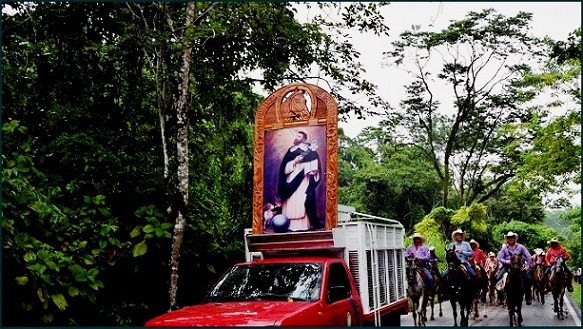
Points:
(252, 313)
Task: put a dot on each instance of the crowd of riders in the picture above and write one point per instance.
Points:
(470, 251)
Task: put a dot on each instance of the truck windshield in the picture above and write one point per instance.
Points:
(298, 282)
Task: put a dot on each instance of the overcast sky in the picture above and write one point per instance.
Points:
(553, 19)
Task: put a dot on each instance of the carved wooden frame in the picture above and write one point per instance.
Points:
(324, 111)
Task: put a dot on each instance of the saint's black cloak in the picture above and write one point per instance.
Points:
(285, 189)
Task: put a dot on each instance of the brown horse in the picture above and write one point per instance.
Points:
(459, 288)
(514, 290)
(437, 289)
(558, 279)
(480, 283)
(538, 283)
(492, 271)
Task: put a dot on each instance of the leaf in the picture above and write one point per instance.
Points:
(92, 273)
(102, 244)
(94, 285)
(166, 226)
(79, 273)
(104, 211)
(82, 244)
(39, 292)
(47, 317)
(73, 291)
(88, 260)
(140, 249)
(210, 268)
(60, 301)
(148, 228)
(43, 254)
(135, 232)
(29, 256)
(52, 265)
(21, 280)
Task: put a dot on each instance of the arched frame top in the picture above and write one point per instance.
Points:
(296, 106)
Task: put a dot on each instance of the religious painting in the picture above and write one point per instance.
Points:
(295, 165)
(294, 190)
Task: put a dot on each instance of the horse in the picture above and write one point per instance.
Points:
(558, 279)
(514, 290)
(418, 292)
(492, 271)
(437, 290)
(459, 287)
(538, 283)
(481, 285)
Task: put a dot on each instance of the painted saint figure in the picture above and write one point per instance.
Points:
(299, 175)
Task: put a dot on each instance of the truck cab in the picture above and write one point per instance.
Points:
(352, 275)
(292, 291)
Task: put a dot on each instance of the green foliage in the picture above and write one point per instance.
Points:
(576, 294)
(89, 195)
(385, 179)
(530, 235)
(573, 245)
(442, 221)
(516, 201)
(51, 248)
(469, 133)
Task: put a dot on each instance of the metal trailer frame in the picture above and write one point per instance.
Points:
(374, 251)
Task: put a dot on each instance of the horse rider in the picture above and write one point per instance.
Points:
(479, 256)
(419, 251)
(538, 259)
(463, 251)
(492, 261)
(514, 248)
(556, 250)
(433, 260)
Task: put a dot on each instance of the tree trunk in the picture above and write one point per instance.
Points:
(182, 158)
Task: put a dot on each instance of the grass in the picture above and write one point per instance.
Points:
(576, 294)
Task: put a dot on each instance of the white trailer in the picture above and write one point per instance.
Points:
(373, 247)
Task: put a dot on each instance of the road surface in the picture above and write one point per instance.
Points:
(535, 315)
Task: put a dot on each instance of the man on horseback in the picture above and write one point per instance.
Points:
(419, 251)
(555, 251)
(463, 251)
(514, 248)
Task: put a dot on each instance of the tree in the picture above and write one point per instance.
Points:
(573, 216)
(516, 201)
(54, 251)
(97, 89)
(380, 177)
(480, 58)
(530, 235)
(553, 157)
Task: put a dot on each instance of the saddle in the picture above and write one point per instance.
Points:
(423, 275)
(464, 270)
(500, 284)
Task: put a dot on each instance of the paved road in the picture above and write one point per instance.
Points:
(534, 315)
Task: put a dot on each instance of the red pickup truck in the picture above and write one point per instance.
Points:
(352, 275)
